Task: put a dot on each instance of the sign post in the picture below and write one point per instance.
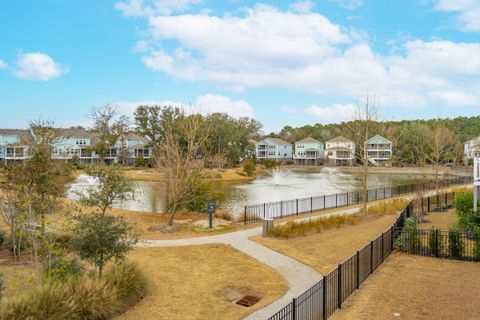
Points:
(211, 212)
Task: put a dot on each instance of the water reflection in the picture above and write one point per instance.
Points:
(277, 185)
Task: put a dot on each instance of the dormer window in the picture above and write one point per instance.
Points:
(81, 142)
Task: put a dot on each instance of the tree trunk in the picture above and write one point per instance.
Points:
(172, 214)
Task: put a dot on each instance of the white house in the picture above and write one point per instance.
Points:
(471, 150)
(339, 151)
(273, 148)
(309, 151)
(379, 150)
(14, 145)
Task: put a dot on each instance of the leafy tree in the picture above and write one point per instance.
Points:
(100, 238)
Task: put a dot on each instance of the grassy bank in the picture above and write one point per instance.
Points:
(202, 282)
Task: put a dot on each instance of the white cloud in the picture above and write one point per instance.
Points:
(37, 66)
(468, 12)
(302, 6)
(211, 103)
(137, 8)
(349, 4)
(268, 47)
(3, 65)
(332, 114)
(204, 104)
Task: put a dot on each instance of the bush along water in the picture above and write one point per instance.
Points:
(455, 243)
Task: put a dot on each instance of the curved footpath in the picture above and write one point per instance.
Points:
(299, 276)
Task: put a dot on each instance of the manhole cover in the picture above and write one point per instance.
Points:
(248, 301)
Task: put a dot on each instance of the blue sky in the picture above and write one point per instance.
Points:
(282, 62)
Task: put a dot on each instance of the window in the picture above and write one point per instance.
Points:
(81, 142)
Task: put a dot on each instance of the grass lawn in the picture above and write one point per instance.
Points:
(325, 250)
(202, 282)
(414, 287)
(439, 220)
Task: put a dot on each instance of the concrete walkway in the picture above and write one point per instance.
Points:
(299, 276)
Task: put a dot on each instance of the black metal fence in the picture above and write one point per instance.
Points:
(280, 209)
(327, 295)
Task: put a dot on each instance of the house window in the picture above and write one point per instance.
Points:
(81, 142)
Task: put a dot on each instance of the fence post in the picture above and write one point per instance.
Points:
(446, 199)
(297, 206)
(311, 204)
(294, 309)
(347, 197)
(324, 298)
(358, 269)
(428, 204)
(383, 255)
(391, 238)
(339, 274)
(324, 205)
(336, 200)
(376, 194)
(281, 208)
(436, 243)
(245, 216)
(371, 257)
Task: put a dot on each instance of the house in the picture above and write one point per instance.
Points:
(379, 150)
(471, 150)
(138, 148)
(339, 151)
(273, 148)
(14, 145)
(309, 151)
(75, 142)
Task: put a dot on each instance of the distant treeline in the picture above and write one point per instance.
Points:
(414, 141)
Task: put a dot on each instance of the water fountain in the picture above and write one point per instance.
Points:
(278, 177)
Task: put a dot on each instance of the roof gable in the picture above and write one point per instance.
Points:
(308, 140)
(378, 139)
(339, 139)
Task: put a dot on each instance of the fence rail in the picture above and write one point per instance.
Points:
(327, 295)
(280, 209)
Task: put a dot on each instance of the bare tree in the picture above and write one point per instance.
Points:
(365, 116)
(179, 159)
(13, 215)
(113, 130)
(442, 145)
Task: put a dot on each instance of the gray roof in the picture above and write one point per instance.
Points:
(339, 139)
(276, 141)
(378, 139)
(24, 135)
(308, 140)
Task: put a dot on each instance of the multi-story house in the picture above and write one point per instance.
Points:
(309, 151)
(339, 151)
(14, 145)
(273, 148)
(471, 150)
(75, 142)
(379, 150)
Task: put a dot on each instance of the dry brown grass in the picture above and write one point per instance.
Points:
(439, 220)
(196, 282)
(324, 251)
(416, 288)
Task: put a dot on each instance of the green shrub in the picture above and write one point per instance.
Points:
(140, 161)
(62, 269)
(455, 243)
(23, 245)
(130, 282)
(435, 244)
(408, 239)
(476, 245)
(270, 163)
(249, 168)
(80, 297)
(2, 238)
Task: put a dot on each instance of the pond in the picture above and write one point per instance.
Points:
(277, 185)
